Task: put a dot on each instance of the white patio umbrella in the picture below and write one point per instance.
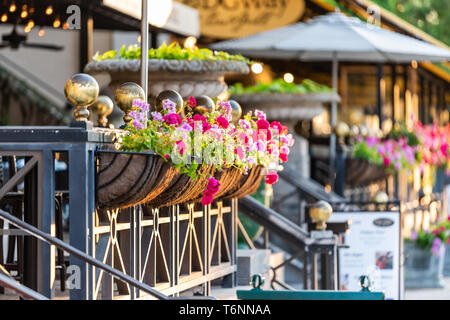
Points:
(335, 37)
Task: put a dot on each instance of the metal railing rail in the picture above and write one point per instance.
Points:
(33, 231)
(299, 240)
(20, 289)
(274, 222)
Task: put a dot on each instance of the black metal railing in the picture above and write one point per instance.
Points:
(38, 234)
(302, 247)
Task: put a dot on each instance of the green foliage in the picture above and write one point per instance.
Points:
(279, 86)
(170, 52)
(431, 16)
(363, 151)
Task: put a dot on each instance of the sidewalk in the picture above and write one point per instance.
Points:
(429, 294)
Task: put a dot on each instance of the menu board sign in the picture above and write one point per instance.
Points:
(375, 250)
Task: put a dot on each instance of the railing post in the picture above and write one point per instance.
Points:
(81, 208)
(46, 198)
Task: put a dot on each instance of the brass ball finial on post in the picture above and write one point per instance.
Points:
(103, 107)
(320, 212)
(124, 97)
(81, 91)
(236, 111)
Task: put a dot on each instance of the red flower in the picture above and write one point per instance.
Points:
(166, 157)
(284, 130)
(386, 161)
(271, 177)
(205, 124)
(173, 118)
(222, 121)
(284, 157)
(435, 232)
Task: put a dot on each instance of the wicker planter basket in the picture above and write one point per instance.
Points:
(362, 172)
(188, 77)
(127, 179)
(124, 180)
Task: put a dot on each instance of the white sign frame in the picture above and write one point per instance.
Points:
(366, 219)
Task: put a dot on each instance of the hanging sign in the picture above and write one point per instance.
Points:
(374, 240)
(224, 19)
(165, 14)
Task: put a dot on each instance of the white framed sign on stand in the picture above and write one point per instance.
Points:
(375, 249)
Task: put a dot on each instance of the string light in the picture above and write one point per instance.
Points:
(190, 42)
(56, 23)
(257, 68)
(27, 29)
(288, 77)
(23, 14)
(13, 7)
(30, 24)
(49, 10)
(41, 32)
(4, 17)
(65, 26)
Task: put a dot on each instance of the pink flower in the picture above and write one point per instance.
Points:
(271, 177)
(435, 232)
(284, 157)
(166, 157)
(181, 146)
(192, 102)
(173, 118)
(414, 235)
(276, 125)
(222, 121)
(386, 161)
(240, 152)
(211, 189)
(213, 185)
(263, 124)
(207, 198)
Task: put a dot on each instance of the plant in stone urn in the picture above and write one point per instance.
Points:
(424, 256)
(281, 100)
(189, 71)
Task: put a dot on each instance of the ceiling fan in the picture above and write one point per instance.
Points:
(14, 40)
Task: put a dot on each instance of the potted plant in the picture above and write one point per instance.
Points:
(165, 158)
(285, 101)
(374, 158)
(189, 71)
(424, 253)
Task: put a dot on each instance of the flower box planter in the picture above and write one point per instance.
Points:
(287, 106)
(423, 269)
(127, 179)
(363, 172)
(187, 77)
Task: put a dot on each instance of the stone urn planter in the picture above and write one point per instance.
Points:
(125, 179)
(287, 106)
(187, 77)
(362, 172)
(423, 269)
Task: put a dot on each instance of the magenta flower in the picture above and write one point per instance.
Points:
(173, 118)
